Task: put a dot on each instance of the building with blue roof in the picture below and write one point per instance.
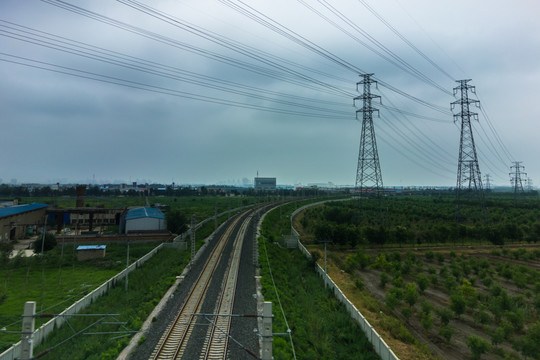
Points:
(143, 220)
(87, 252)
(17, 220)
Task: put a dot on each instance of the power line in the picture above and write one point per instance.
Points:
(405, 40)
(141, 86)
(390, 56)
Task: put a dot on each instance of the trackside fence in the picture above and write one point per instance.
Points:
(379, 345)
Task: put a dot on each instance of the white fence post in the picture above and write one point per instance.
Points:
(266, 332)
(27, 351)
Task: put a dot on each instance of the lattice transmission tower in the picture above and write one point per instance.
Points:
(368, 174)
(468, 175)
(515, 178)
(488, 182)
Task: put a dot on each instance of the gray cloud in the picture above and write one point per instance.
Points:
(58, 126)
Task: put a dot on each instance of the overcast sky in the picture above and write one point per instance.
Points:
(208, 91)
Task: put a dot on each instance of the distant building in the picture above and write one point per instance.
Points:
(143, 219)
(17, 221)
(265, 184)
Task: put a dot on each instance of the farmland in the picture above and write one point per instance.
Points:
(460, 289)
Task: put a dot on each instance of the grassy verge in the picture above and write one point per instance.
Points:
(146, 287)
(320, 326)
(54, 281)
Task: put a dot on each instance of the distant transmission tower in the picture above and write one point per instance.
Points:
(468, 176)
(488, 182)
(515, 178)
(368, 173)
(530, 185)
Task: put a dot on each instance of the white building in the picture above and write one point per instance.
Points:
(144, 219)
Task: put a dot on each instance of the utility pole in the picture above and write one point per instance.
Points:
(215, 216)
(192, 237)
(468, 175)
(127, 263)
(515, 178)
(325, 263)
(368, 173)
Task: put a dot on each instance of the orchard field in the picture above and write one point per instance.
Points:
(458, 287)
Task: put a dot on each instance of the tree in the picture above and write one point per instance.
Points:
(422, 281)
(391, 300)
(497, 336)
(46, 244)
(446, 332)
(477, 345)
(457, 303)
(383, 279)
(445, 315)
(411, 295)
(427, 321)
(176, 221)
(530, 345)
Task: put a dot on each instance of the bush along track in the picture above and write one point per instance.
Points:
(320, 326)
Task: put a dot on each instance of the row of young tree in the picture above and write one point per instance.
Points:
(422, 220)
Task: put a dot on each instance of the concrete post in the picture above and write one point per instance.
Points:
(266, 332)
(215, 216)
(27, 351)
(192, 235)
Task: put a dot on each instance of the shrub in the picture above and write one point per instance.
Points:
(398, 282)
(497, 336)
(46, 244)
(391, 299)
(397, 330)
(440, 257)
(445, 315)
(427, 321)
(477, 345)
(406, 312)
(383, 279)
(141, 340)
(422, 281)
(410, 295)
(457, 303)
(446, 333)
(434, 279)
(426, 306)
(530, 343)
(482, 317)
(359, 283)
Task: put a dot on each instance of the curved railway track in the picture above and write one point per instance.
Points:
(173, 343)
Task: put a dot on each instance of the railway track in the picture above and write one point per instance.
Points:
(175, 339)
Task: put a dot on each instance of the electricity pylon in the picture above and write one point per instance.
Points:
(515, 178)
(468, 175)
(368, 173)
(488, 182)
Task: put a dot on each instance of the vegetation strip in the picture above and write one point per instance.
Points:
(320, 325)
(460, 297)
